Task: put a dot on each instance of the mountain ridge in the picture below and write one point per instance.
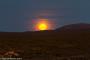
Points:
(75, 27)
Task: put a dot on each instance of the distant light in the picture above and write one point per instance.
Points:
(42, 24)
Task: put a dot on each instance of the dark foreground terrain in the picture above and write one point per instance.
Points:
(47, 45)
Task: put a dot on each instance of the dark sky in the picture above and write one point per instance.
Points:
(17, 15)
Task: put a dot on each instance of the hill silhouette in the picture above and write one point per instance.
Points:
(75, 27)
(70, 40)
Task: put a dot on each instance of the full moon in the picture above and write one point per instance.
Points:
(42, 24)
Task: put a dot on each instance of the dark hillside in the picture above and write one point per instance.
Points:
(47, 43)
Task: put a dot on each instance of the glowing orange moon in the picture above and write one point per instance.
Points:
(42, 24)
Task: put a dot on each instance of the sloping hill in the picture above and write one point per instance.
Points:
(48, 43)
(75, 27)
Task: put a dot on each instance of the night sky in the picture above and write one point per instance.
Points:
(17, 15)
